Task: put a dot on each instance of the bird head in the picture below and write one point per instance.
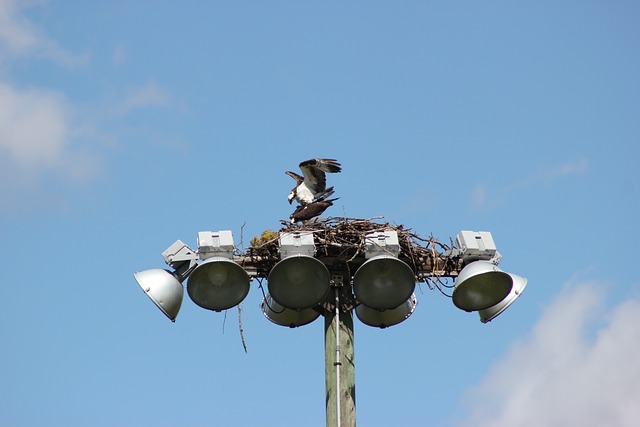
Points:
(292, 196)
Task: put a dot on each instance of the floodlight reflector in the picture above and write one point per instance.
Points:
(385, 318)
(287, 316)
(163, 288)
(298, 282)
(384, 282)
(488, 314)
(480, 285)
(218, 284)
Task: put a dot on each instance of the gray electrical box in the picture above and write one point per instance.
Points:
(178, 253)
(215, 243)
(381, 243)
(297, 243)
(476, 245)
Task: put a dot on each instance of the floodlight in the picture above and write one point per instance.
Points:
(488, 314)
(383, 282)
(287, 316)
(480, 285)
(163, 288)
(218, 284)
(299, 280)
(385, 318)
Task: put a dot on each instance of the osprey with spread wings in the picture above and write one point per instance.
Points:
(313, 185)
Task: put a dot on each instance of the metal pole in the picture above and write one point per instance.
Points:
(339, 366)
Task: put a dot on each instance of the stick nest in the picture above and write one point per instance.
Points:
(340, 244)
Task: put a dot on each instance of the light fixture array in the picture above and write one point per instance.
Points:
(299, 283)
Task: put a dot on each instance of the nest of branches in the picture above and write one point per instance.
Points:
(340, 244)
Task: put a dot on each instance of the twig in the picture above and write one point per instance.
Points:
(242, 236)
(244, 344)
(224, 321)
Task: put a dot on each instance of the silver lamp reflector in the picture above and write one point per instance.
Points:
(480, 285)
(488, 314)
(163, 288)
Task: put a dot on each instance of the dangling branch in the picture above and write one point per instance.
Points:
(244, 344)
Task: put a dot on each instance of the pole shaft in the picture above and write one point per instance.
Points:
(338, 360)
(340, 369)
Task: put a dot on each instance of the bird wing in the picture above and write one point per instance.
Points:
(305, 213)
(297, 212)
(314, 173)
(312, 210)
(298, 178)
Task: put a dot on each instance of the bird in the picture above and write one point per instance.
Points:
(305, 213)
(313, 184)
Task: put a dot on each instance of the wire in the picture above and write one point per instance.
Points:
(445, 284)
(266, 301)
(437, 285)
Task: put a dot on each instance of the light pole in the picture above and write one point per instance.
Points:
(339, 360)
(333, 268)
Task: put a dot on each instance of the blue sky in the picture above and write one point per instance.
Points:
(127, 125)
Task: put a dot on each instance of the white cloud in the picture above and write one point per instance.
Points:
(33, 126)
(568, 371)
(37, 145)
(40, 148)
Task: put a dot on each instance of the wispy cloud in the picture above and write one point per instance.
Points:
(15, 33)
(483, 198)
(119, 56)
(18, 37)
(40, 145)
(43, 135)
(568, 371)
(570, 168)
(148, 95)
(479, 198)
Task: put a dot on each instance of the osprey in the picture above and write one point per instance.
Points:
(313, 209)
(313, 184)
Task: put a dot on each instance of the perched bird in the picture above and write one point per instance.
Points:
(313, 184)
(313, 209)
